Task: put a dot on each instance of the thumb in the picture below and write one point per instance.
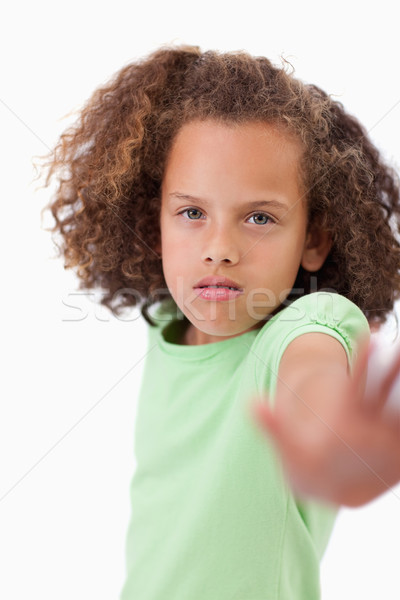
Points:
(265, 417)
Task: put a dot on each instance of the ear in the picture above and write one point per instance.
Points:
(316, 249)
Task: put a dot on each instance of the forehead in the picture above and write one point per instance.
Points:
(255, 156)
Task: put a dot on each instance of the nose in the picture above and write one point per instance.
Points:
(220, 247)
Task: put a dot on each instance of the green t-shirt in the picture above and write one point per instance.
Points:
(212, 515)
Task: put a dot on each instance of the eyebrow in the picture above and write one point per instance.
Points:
(249, 205)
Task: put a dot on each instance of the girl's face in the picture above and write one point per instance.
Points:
(232, 216)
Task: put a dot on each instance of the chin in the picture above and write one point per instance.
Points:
(222, 328)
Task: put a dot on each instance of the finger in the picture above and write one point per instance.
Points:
(365, 350)
(266, 418)
(288, 446)
(389, 381)
(271, 425)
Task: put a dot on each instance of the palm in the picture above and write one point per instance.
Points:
(348, 453)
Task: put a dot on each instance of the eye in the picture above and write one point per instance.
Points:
(261, 218)
(192, 213)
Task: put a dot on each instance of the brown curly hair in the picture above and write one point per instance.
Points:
(110, 165)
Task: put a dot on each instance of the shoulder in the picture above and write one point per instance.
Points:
(320, 312)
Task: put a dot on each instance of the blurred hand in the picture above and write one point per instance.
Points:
(348, 451)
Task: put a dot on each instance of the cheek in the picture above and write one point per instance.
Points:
(279, 259)
(177, 247)
(174, 262)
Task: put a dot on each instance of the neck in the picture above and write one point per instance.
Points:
(194, 337)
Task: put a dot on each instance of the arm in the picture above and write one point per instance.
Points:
(335, 441)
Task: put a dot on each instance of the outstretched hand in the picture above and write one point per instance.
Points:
(348, 451)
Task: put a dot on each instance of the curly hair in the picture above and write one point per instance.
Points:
(110, 164)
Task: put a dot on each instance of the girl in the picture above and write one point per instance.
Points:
(256, 215)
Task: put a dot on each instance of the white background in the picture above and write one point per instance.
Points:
(70, 376)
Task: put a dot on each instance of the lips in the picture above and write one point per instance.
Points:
(217, 281)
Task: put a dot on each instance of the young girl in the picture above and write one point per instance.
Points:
(253, 212)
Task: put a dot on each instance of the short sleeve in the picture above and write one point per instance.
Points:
(319, 312)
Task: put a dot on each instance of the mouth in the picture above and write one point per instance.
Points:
(215, 282)
(218, 287)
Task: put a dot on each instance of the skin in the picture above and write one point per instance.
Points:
(335, 439)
